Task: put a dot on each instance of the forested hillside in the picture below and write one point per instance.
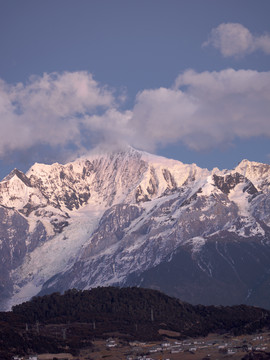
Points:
(70, 321)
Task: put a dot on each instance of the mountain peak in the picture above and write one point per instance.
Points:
(20, 175)
(257, 173)
(250, 163)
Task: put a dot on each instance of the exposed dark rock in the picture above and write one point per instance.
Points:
(169, 179)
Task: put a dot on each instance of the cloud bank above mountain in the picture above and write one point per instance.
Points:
(201, 110)
(206, 109)
(233, 39)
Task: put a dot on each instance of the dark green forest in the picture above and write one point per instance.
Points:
(71, 320)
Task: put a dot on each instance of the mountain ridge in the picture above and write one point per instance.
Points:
(107, 219)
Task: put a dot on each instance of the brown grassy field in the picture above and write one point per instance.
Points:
(209, 347)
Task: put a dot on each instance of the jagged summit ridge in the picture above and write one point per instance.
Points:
(109, 218)
(114, 175)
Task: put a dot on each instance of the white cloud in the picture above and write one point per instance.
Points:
(112, 128)
(233, 39)
(204, 110)
(48, 109)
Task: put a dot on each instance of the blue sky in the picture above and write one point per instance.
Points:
(185, 79)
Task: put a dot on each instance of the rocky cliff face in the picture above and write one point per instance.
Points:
(130, 218)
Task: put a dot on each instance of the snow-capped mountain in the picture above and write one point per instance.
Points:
(131, 218)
